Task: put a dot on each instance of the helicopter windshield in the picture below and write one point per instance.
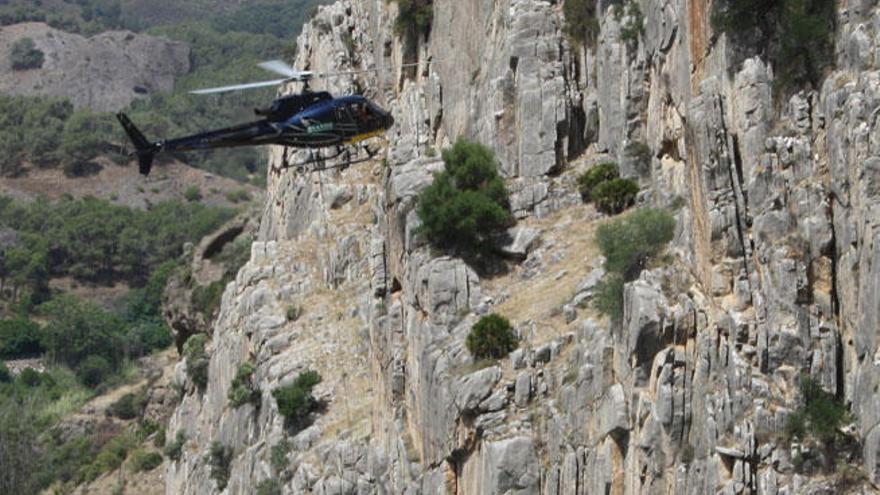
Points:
(360, 111)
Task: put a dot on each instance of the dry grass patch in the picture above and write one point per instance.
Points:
(541, 298)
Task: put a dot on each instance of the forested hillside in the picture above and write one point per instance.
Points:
(82, 280)
(225, 46)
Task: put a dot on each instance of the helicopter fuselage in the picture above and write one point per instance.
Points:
(327, 122)
(308, 120)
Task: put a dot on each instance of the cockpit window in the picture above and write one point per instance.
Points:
(361, 111)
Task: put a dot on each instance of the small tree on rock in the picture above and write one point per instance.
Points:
(466, 207)
(491, 337)
(295, 400)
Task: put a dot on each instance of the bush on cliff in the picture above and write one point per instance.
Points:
(197, 359)
(594, 176)
(603, 186)
(174, 449)
(820, 414)
(295, 400)
(796, 35)
(220, 459)
(581, 22)
(243, 390)
(414, 17)
(491, 337)
(615, 195)
(466, 207)
(628, 244)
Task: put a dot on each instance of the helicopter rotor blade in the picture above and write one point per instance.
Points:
(279, 67)
(291, 74)
(236, 87)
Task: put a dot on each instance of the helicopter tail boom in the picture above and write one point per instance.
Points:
(145, 150)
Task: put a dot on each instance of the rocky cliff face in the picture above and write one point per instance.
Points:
(775, 273)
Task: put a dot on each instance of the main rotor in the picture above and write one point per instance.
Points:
(279, 67)
(290, 75)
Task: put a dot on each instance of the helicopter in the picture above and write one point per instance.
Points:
(310, 119)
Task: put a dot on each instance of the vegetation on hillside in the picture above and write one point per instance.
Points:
(581, 23)
(219, 458)
(491, 337)
(243, 390)
(93, 240)
(628, 245)
(796, 35)
(226, 44)
(295, 400)
(37, 456)
(44, 245)
(466, 207)
(603, 186)
(88, 347)
(24, 55)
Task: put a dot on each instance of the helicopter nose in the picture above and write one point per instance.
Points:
(389, 121)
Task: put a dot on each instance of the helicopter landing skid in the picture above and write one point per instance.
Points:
(315, 158)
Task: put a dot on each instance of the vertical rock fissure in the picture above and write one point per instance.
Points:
(735, 174)
(840, 372)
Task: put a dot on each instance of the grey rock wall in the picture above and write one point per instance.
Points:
(774, 274)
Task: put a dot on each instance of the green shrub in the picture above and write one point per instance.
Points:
(615, 195)
(148, 336)
(242, 390)
(491, 337)
(111, 456)
(414, 17)
(197, 360)
(147, 426)
(85, 133)
(174, 449)
(93, 371)
(594, 176)
(295, 400)
(24, 55)
(159, 439)
(466, 206)
(581, 22)
(19, 337)
(220, 459)
(269, 486)
(278, 456)
(129, 406)
(30, 378)
(820, 416)
(608, 296)
(144, 461)
(628, 244)
(193, 194)
(83, 336)
(5, 374)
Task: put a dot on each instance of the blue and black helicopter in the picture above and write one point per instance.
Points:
(311, 119)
